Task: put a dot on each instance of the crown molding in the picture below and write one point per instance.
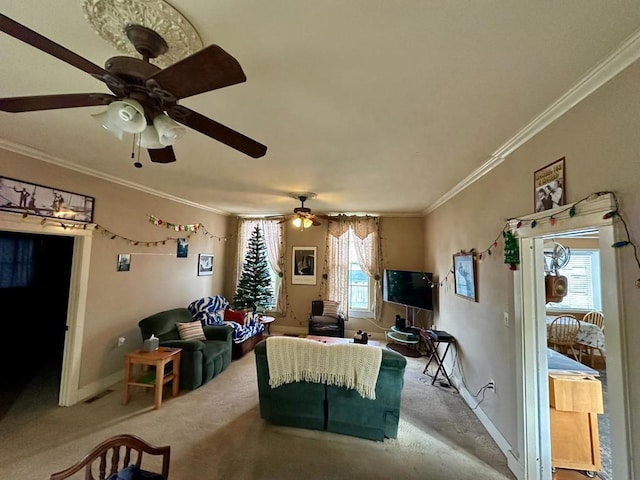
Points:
(45, 157)
(627, 53)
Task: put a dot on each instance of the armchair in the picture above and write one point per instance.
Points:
(325, 320)
(200, 361)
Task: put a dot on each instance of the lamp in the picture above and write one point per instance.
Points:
(103, 118)
(126, 115)
(168, 130)
(301, 222)
(149, 138)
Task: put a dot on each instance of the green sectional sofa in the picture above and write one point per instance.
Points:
(200, 361)
(341, 410)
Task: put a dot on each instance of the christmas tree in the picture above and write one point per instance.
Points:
(254, 287)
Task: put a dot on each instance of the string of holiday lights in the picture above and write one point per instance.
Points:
(572, 210)
(70, 225)
(178, 227)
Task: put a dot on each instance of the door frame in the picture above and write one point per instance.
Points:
(76, 307)
(534, 429)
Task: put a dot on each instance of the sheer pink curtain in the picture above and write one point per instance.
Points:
(364, 232)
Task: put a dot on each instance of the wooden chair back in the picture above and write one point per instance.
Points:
(597, 318)
(561, 334)
(113, 455)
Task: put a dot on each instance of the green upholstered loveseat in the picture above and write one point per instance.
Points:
(336, 409)
(200, 361)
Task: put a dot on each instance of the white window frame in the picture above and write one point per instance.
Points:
(359, 312)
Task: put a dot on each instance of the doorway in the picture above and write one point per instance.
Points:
(534, 394)
(77, 293)
(35, 281)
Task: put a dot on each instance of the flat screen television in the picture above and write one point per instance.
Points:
(408, 288)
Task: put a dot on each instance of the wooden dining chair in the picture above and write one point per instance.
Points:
(116, 454)
(597, 318)
(561, 335)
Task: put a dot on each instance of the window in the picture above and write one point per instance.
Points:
(272, 233)
(583, 282)
(353, 266)
(359, 285)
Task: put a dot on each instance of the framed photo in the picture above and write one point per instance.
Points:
(205, 264)
(465, 275)
(124, 262)
(304, 266)
(183, 248)
(548, 186)
(18, 196)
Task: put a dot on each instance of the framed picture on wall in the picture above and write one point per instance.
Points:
(124, 262)
(465, 275)
(303, 266)
(183, 248)
(548, 186)
(28, 198)
(205, 264)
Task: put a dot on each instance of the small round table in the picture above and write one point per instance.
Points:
(267, 321)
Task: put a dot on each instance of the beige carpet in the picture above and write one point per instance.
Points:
(216, 432)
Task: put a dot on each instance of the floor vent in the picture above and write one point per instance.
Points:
(98, 396)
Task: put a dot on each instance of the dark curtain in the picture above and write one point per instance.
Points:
(16, 262)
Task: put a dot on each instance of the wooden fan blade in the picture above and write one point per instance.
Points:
(315, 221)
(217, 131)
(162, 155)
(51, 102)
(209, 69)
(28, 36)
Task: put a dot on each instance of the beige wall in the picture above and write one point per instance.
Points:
(158, 280)
(402, 247)
(600, 140)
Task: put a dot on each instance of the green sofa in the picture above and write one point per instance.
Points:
(341, 410)
(200, 361)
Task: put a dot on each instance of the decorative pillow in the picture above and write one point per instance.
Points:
(191, 331)
(234, 316)
(330, 308)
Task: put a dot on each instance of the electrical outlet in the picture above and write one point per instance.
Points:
(491, 385)
(121, 341)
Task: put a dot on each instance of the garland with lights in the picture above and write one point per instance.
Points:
(191, 227)
(66, 225)
(512, 255)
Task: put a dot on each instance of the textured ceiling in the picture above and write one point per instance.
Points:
(378, 107)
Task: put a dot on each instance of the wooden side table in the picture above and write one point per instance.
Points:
(267, 321)
(158, 358)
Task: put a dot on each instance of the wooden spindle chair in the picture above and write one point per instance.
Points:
(561, 335)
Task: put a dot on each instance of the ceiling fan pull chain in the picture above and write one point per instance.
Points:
(137, 163)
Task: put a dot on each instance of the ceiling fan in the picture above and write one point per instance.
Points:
(302, 216)
(145, 97)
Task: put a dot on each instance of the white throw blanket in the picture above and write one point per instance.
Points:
(349, 365)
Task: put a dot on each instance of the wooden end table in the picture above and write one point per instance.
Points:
(158, 358)
(267, 321)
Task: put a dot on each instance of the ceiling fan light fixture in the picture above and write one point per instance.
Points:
(168, 130)
(127, 115)
(149, 138)
(303, 223)
(103, 118)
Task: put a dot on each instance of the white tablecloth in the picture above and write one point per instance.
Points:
(589, 334)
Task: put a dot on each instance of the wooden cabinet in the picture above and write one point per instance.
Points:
(575, 401)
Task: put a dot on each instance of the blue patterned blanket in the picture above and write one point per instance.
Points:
(210, 311)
